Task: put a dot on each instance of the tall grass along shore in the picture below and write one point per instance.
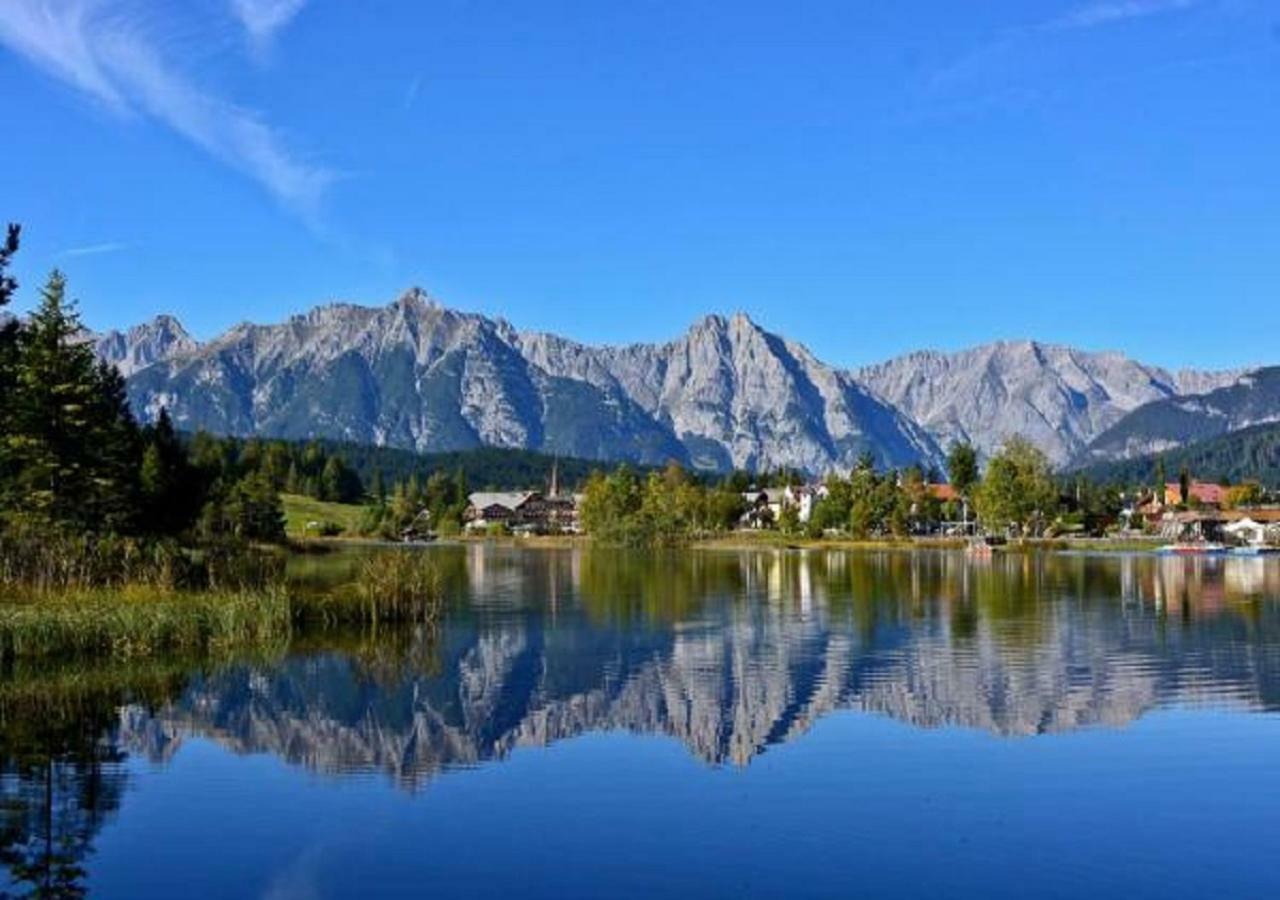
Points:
(112, 599)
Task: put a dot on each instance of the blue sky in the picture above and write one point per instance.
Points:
(865, 177)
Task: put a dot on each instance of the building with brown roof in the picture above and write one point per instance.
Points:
(1202, 492)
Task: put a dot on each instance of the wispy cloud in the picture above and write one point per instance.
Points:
(1110, 12)
(1015, 42)
(263, 18)
(411, 94)
(56, 36)
(94, 249)
(99, 47)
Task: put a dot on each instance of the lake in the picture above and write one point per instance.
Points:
(587, 723)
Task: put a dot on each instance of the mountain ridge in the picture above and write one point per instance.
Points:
(417, 374)
(724, 393)
(1058, 396)
(1252, 400)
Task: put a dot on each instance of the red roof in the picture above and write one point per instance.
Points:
(943, 492)
(1202, 491)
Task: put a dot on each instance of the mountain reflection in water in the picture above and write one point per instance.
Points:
(730, 653)
(727, 652)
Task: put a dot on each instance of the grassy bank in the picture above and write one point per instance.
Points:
(1113, 545)
(139, 620)
(773, 540)
(56, 563)
(526, 540)
(300, 512)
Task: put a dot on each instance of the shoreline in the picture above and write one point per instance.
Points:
(1022, 545)
(751, 541)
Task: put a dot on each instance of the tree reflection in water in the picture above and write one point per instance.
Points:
(727, 652)
(61, 766)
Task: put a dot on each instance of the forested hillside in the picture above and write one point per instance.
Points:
(485, 468)
(1250, 453)
(1181, 421)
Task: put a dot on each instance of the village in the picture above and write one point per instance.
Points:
(1200, 513)
(1210, 515)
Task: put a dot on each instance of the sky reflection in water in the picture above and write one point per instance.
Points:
(709, 723)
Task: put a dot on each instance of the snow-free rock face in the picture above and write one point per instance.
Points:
(736, 395)
(1058, 397)
(726, 393)
(417, 375)
(412, 374)
(129, 351)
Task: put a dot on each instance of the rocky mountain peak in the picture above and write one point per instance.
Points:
(166, 322)
(712, 322)
(415, 297)
(1060, 397)
(738, 326)
(160, 338)
(726, 393)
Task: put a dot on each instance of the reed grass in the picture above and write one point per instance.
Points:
(43, 562)
(256, 609)
(390, 586)
(140, 621)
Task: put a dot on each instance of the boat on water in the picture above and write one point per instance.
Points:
(1193, 548)
(982, 547)
(1253, 550)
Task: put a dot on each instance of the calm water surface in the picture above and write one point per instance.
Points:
(589, 724)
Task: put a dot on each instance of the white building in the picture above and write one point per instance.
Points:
(765, 506)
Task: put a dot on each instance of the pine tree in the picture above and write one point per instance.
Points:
(72, 442)
(152, 476)
(292, 481)
(251, 511)
(8, 364)
(962, 468)
(460, 489)
(331, 480)
(263, 511)
(171, 487)
(114, 440)
(10, 246)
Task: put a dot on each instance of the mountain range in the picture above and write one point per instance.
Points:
(725, 394)
(1060, 398)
